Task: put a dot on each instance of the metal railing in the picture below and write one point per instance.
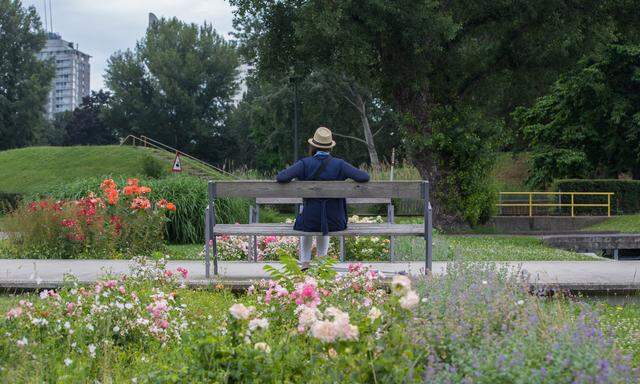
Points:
(149, 142)
(532, 200)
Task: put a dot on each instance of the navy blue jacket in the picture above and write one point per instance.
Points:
(322, 215)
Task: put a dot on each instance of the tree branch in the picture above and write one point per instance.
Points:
(378, 131)
(350, 137)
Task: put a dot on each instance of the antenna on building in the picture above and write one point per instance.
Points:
(50, 16)
(46, 19)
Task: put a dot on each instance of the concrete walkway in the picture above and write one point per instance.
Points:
(621, 276)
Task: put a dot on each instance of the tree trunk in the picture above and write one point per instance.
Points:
(415, 107)
(368, 136)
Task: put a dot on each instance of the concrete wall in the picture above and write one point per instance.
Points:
(519, 224)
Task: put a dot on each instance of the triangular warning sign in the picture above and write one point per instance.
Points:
(177, 166)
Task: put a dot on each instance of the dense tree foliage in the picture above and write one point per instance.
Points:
(24, 80)
(588, 126)
(86, 125)
(176, 86)
(452, 70)
(261, 123)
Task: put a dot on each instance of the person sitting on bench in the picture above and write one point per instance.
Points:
(320, 214)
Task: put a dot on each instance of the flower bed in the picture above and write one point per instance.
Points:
(477, 324)
(119, 221)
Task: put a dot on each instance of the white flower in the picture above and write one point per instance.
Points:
(67, 325)
(258, 323)
(484, 282)
(409, 300)
(90, 327)
(374, 313)
(520, 302)
(240, 312)
(116, 329)
(68, 361)
(325, 331)
(400, 284)
(262, 346)
(92, 350)
(128, 305)
(307, 316)
(22, 342)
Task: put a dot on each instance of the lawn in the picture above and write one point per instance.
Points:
(623, 323)
(475, 324)
(623, 223)
(36, 169)
(447, 248)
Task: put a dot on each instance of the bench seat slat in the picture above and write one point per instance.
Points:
(365, 229)
(294, 200)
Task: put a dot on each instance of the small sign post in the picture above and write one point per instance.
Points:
(177, 165)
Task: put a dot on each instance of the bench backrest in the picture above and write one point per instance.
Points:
(297, 200)
(319, 189)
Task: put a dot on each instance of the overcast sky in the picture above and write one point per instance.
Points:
(103, 27)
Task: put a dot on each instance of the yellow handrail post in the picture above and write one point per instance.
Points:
(530, 204)
(572, 212)
(609, 205)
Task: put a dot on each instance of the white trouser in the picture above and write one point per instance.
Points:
(306, 242)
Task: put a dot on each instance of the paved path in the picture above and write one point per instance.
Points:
(576, 275)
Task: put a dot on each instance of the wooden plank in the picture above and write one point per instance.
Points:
(319, 189)
(296, 200)
(287, 230)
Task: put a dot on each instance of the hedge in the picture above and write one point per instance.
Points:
(9, 201)
(626, 198)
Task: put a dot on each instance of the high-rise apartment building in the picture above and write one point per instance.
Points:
(71, 81)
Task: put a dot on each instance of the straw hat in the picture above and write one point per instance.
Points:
(322, 139)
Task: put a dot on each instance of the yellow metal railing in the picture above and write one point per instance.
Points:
(531, 202)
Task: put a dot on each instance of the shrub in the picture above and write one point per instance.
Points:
(9, 201)
(153, 168)
(626, 198)
(119, 221)
(188, 193)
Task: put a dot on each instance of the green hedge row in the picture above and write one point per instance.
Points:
(8, 201)
(626, 198)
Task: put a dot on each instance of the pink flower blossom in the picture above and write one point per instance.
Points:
(168, 273)
(70, 307)
(14, 313)
(184, 272)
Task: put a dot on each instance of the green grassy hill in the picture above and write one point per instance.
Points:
(35, 169)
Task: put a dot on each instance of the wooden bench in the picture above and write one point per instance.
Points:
(315, 189)
(254, 217)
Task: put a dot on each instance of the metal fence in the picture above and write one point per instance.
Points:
(554, 203)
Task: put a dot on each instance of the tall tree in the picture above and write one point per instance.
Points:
(589, 124)
(261, 123)
(452, 70)
(24, 80)
(176, 86)
(86, 124)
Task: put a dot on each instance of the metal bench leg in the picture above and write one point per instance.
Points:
(616, 254)
(341, 249)
(427, 227)
(253, 250)
(392, 239)
(212, 223)
(207, 246)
